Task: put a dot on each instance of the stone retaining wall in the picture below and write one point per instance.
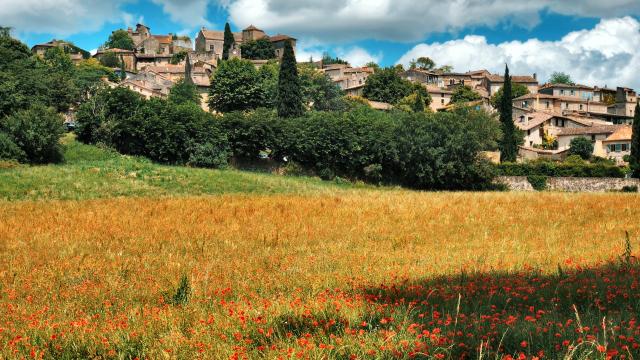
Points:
(571, 184)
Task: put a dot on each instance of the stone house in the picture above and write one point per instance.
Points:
(597, 134)
(440, 98)
(559, 104)
(626, 100)
(618, 144)
(75, 53)
(145, 60)
(492, 83)
(211, 42)
(127, 56)
(146, 43)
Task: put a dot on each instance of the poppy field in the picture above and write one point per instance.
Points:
(356, 275)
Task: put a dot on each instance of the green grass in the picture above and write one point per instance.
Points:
(90, 172)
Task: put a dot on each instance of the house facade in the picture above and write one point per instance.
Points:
(75, 53)
(211, 42)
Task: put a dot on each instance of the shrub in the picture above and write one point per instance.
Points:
(582, 147)
(574, 160)
(630, 189)
(538, 182)
(36, 132)
(9, 150)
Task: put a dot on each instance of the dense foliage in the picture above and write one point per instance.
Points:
(318, 91)
(554, 169)
(418, 150)
(517, 90)
(387, 86)
(120, 39)
(175, 131)
(261, 49)
(582, 147)
(229, 40)
(329, 60)
(561, 78)
(237, 85)
(290, 100)
(32, 136)
(464, 94)
(32, 92)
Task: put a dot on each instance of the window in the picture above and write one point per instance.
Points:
(572, 92)
(547, 104)
(451, 82)
(212, 47)
(580, 106)
(618, 147)
(624, 147)
(441, 101)
(561, 92)
(593, 137)
(525, 104)
(528, 132)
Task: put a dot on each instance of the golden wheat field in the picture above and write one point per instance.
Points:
(366, 274)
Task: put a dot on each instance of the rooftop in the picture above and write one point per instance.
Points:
(623, 133)
(589, 130)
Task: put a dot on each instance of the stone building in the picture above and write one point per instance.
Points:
(212, 42)
(75, 53)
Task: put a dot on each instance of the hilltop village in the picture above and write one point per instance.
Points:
(550, 115)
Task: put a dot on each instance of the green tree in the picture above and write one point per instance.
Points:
(387, 86)
(110, 59)
(36, 132)
(229, 40)
(634, 158)
(178, 57)
(517, 90)
(560, 78)
(418, 105)
(318, 90)
(120, 39)
(582, 147)
(184, 92)
(446, 68)
(464, 94)
(509, 142)
(329, 60)
(373, 65)
(261, 49)
(289, 89)
(425, 63)
(236, 86)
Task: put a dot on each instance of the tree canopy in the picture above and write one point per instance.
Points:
(386, 85)
(120, 39)
(229, 40)
(634, 157)
(261, 49)
(464, 94)
(290, 100)
(517, 90)
(236, 85)
(561, 78)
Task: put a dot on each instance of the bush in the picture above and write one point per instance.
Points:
(582, 147)
(425, 151)
(164, 131)
(630, 189)
(36, 132)
(538, 182)
(9, 150)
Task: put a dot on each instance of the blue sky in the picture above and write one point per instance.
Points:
(595, 41)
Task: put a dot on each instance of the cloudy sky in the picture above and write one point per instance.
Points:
(597, 42)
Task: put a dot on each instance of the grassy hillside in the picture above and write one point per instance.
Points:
(90, 172)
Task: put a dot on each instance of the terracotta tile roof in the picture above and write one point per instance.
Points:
(535, 96)
(123, 51)
(533, 120)
(252, 28)
(515, 78)
(280, 37)
(163, 39)
(566, 86)
(586, 121)
(589, 130)
(560, 98)
(437, 90)
(219, 35)
(623, 133)
(152, 56)
(166, 69)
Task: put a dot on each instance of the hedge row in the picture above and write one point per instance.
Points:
(560, 170)
(422, 151)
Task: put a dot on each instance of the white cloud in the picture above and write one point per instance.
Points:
(59, 17)
(187, 12)
(406, 20)
(358, 56)
(608, 54)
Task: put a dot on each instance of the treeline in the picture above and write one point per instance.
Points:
(418, 150)
(33, 91)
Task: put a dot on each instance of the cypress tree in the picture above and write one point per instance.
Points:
(229, 40)
(290, 103)
(634, 158)
(509, 143)
(123, 73)
(418, 105)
